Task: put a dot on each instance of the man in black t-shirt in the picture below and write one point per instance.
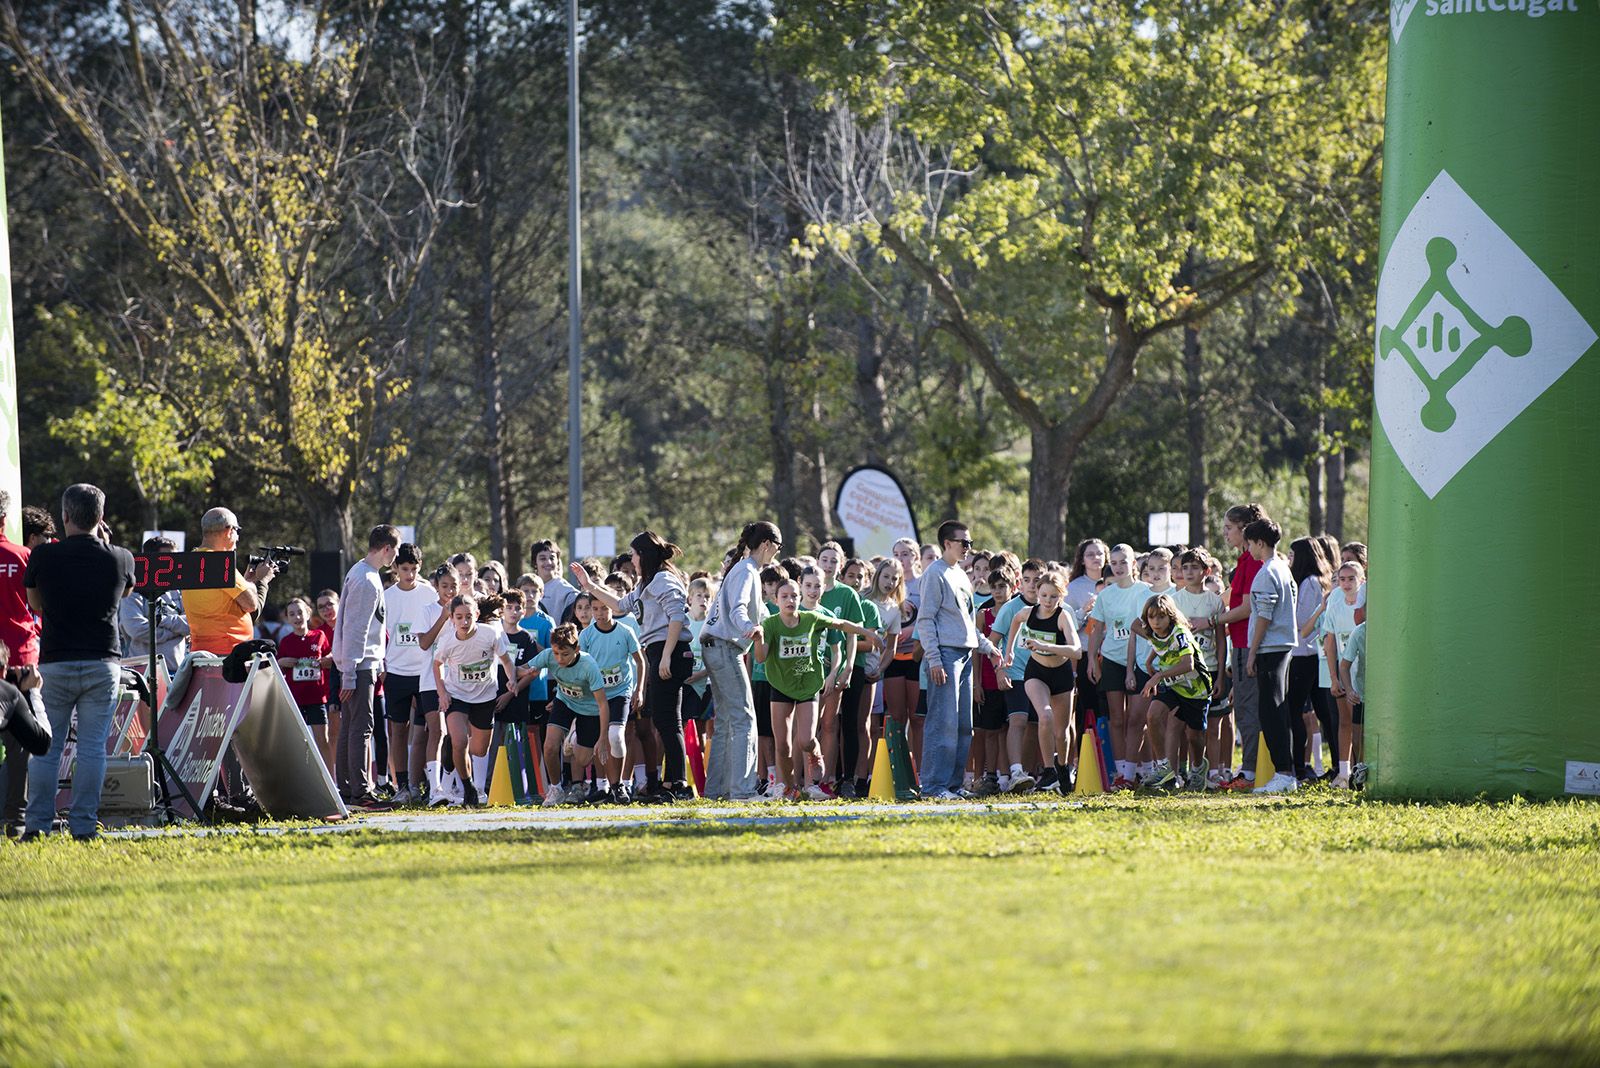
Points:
(76, 586)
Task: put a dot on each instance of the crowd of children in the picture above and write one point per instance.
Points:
(1178, 666)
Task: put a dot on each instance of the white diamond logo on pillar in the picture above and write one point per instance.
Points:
(1399, 12)
(1470, 332)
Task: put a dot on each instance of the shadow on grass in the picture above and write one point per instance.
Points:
(1527, 1057)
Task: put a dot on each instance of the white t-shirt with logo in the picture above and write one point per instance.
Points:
(469, 663)
(406, 618)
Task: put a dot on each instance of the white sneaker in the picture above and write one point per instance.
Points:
(1278, 784)
(1004, 782)
(554, 795)
(403, 796)
(576, 793)
(1340, 782)
(440, 798)
(814, 793)
(1020, 784)
(942, 795)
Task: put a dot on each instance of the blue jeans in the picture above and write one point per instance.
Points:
(947, 732)
(731, 771)
(89, 688)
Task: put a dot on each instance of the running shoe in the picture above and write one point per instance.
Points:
(439, 799)
(1340, 782)
(553, 796)
(1198, 775)
(370, 803)
(1280, 783)
(846, 789)
(1358, 776)
(576, 794)
(384, 792)
(1121, 783)
(1239, 784)
(1164, 780)
(941, 795)
(1048, 779)
(1021, 784)
(470, 798)
(403, 796)
(815, 792)
(965, 794)
(987, 787)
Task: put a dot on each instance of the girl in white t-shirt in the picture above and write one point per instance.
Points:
(464, 660)
(1338, 620)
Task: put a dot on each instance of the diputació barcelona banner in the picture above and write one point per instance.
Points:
(1486, 442)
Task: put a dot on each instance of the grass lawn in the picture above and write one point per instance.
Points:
(1221, 930)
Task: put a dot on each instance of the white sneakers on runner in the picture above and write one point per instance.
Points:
(1278, 784)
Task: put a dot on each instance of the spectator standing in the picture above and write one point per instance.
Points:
(221, 619)
(172, 626)
(20, 632)
(76, 586)
(358, 643)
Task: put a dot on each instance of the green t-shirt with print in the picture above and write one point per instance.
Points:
(793, 666)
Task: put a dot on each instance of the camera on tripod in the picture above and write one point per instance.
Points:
(278, 555)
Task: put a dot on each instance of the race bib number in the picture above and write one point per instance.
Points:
(307, 673)
(404, 635)
(1121, 630)
(1040, 636)
(476, 672)
(794, 648)
(610, 677)
(568, 690)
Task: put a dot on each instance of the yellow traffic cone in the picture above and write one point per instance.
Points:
(500, 784)
(1264, 768)
(882, 786)
(1089, 777)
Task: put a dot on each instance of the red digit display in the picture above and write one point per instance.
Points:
(156, 573)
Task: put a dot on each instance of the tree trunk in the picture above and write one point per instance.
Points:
(332, 527)
(818, 507)
(1338, 464)
(781, 440)
(490, 379)
(1049, 482)
(1194, 397)
(870, 390)
(1315, 512)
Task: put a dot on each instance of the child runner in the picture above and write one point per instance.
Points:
(887, 594)
(696, 694)
(1199, 607)
(1338, 623)
(989, 715)
(839, 754)
(770, 785)
(854, 767)
(463, 662)
(1019, 710)
(327, 605)
(1353, 681)
(1115, 608)
(580, 706)
(1313, 576)
(446, 584)
(615, 649)
(409, 608)
(1179, 692)
(511, 706)
(304, 660)
(1049, 635)
(789, 643)
(1088, 568)
(537, 623)
(1155, 571)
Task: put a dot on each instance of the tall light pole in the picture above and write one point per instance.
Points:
(574, 294)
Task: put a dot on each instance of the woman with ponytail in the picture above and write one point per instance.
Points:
(669, 660)
(731, 625)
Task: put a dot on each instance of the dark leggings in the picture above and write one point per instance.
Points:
(1303, 691)
(664, 701)
(1272, 685)
(850, 724)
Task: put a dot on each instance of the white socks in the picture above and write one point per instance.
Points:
(433, 778)
(1316, 753)
(1016, 771)
(1344, 768)
(480, 774)
(1125, 769)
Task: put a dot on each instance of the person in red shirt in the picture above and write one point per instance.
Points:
(1247, 712)
(303, 657)
(19, 629)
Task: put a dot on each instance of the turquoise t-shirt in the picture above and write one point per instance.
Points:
(575, 685)
(613, 652)
(1115, 610)
(1002, 626)
(1355, 651)
(696, 627)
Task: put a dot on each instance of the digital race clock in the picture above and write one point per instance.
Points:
(156, 573)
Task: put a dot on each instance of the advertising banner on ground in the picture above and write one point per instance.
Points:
(205, 714)
(873, 510)
(1486, 384)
